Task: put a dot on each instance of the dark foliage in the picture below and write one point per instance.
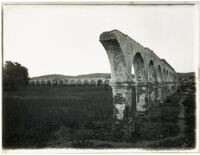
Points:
(14, 76)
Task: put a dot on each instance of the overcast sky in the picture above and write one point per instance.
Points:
(64, 39)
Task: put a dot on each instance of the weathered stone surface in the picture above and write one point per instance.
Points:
(123, 109)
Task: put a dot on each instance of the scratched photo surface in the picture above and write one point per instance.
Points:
(99, 76)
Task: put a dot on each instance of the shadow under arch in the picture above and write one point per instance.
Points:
(160, 94)
(106, 83)
(85, 82)
(138, 64)
(92, 83)
(152, 87)
(140, 88)
(159, 75)
(99, 82)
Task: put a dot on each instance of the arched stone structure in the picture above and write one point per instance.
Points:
(152, 83)
(55, 82)
(99, 82)
(92, 83)
(72, 82)
(151, 74)
(60, 82)
(48, 83)
(106, 83)
(66, 82)
(85, 82)
(79, 82)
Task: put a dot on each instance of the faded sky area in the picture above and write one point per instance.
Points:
(64, 39)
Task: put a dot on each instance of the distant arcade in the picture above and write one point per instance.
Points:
(50, 82)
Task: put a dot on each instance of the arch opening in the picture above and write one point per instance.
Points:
(92, 83)
(99, 82)
(139, 69)
(151, 73)
(85, 82)
(79, 82)
(48, 83)
(167, 76)
(106, 83)
(140, 93)
(164, 75)
(159, 76)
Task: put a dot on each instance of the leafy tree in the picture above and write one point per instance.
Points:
(14, 76)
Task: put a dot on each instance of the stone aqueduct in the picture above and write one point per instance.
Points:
(69, 82)
(155, 79)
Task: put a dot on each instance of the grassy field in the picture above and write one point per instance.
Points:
(81, 117)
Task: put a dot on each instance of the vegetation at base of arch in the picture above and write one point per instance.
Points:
(14, 76)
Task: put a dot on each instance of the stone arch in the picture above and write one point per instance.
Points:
(79, 82)
(166, 87)
(55, 82)
(117, 61)
(92, 83)
(48, 83)
(72, 82)
(99, 82)
(140, 79)
(174, 77)
(85, 82)
(164, 75)
(167, 80)
(106, 83)
(152, 79)
(160, 94)
(37, 83)
(152, 73)
(60, 82)
(66, 82)
(138, 64)
(170, 76)
(159, 74)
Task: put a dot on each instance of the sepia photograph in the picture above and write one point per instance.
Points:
(100, 76)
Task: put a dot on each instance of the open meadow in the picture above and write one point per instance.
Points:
(80, 117)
